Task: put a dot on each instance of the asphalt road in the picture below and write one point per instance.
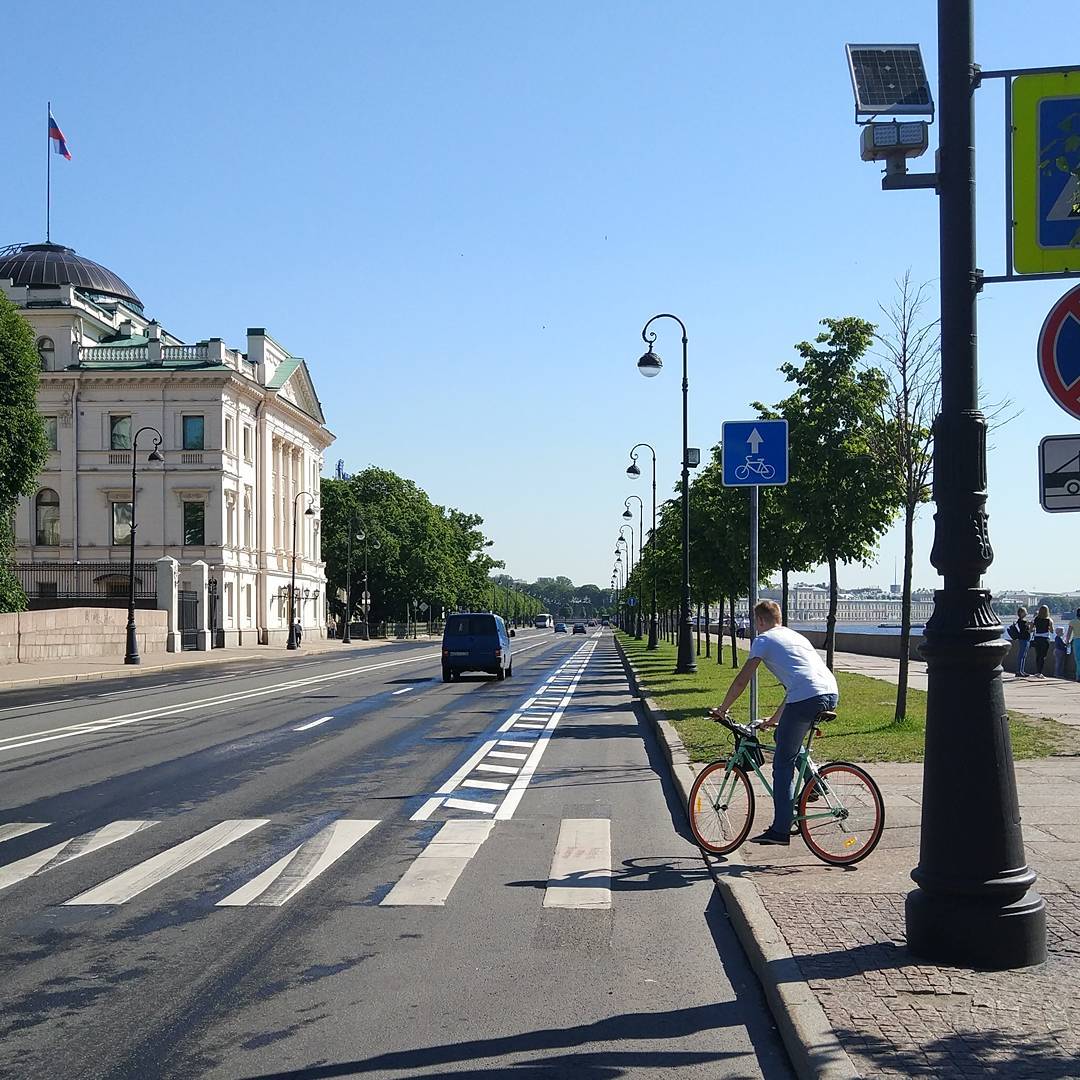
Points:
(341, 866)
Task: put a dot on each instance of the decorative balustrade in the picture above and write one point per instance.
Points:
(112, 354)
(185, 352)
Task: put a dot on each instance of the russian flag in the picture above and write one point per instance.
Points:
(57, 137)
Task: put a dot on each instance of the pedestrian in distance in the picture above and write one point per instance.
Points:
(1041, 638)
(1020, 632)
(809, 688)
(1072, 638)
(299, 633)
(1061, 650)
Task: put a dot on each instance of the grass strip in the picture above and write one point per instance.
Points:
(863, 731)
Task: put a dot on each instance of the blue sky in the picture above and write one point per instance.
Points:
(462, 213)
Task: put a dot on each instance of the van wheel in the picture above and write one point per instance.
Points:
(500, 674)
(447, 674)
(510, 670)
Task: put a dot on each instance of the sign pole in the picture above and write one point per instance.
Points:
(754, 511)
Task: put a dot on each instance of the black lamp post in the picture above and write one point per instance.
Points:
(974, 902)
(309, 512)
(649, 365)
(346, 637)
(131, 655)
(634, 472)
(628, 516)
(629, 574)
(366, 602)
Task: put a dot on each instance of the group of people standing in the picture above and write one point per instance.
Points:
(1042, 635)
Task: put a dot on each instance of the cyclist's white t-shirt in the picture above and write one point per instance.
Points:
(794, 662)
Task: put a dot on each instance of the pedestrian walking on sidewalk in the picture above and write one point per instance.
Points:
(299, 633)
(1044, 634)
(1020, 632)
(810, 687)
(1072, 638)
(1061, 650)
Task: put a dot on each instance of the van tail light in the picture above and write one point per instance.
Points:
(446, 651)
(498, 651)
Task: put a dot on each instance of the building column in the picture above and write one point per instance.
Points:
(168, 577)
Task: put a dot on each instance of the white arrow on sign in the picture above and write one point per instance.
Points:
(755, 440)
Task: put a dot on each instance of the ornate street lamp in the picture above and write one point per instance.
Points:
(634, 473)
(309, 512)
(649, 365)
(628, 516)
(131, 655)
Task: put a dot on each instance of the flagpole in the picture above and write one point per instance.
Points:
(48, 174)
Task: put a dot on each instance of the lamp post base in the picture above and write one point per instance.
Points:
(131, 654)
(686, 664)
(346, 637)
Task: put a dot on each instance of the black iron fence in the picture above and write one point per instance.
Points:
(85, 584)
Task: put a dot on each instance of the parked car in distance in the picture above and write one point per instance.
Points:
(476, 641)
(579, 628)
(560, 628)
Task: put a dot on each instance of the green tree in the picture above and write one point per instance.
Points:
(843, 494)
(23, 448)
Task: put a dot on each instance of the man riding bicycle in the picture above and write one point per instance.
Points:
(810, 687)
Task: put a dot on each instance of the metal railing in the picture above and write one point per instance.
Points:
(85, 584)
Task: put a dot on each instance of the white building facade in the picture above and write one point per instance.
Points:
(243, 438)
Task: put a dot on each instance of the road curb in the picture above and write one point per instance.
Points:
(811, 1043)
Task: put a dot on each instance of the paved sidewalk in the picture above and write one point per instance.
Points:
(897, 1016)
(1058, 699)
(58, 672)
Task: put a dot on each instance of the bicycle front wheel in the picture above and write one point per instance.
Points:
(721, 807)
(841, 814)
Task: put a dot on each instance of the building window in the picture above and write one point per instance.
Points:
(247, 443)
(247, 518)
(45, 350)
(247, 602)
(193, 433)
(194, 524)
(230, 514)
(228, 434)
(47, 517)
(119, 432)
(121, 522)
(228, 602)
(51, 433)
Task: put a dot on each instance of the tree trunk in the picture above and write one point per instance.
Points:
(783, 595)
(708, 640)
(905, 613)
(830, 622)
(734, 647)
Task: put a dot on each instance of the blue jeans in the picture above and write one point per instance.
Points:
(1021, 656)
(795, 723)
(1076, 656)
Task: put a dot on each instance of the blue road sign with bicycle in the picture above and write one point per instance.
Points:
(755, 452)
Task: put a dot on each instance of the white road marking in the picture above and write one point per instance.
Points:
(529, 726)
(509, 755)
(491, 785)
(466, 768)
(120, 889)
(581, 867)
(15, 742)
(282, 881)
(427, 810)
(514, 742)
(471, 804)
(434, 872)
(484, 767)
(313, 723)
(36, 704)
(59, 854)
(19, 828)
(405, 691)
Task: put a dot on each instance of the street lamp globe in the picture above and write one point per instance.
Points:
(650, 364)
(155, 455)
(633, 471)
(309, 512)
(627, 515)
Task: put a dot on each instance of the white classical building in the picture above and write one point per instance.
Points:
(243, 439)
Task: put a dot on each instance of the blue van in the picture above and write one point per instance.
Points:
(476, 641)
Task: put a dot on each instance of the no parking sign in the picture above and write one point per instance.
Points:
(1059, 352)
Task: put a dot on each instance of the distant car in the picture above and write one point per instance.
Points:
(579, 628)
(560, 628)
(592, 622)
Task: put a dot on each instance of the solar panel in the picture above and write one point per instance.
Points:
(889, 79)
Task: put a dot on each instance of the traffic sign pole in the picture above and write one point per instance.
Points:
(755, 506)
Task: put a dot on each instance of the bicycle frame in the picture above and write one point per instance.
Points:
(805, 765)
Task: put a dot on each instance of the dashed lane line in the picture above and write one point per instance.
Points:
(580, 874)
(313, 723)
(435, 871)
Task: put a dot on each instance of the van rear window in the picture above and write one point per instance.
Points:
(459, 625)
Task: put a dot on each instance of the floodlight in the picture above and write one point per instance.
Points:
(893, 140)
(889, 79)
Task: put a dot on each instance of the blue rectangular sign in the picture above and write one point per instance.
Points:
(755, 452)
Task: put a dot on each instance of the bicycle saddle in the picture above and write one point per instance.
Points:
(825, 715)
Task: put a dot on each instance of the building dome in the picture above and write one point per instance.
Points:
(54, 264)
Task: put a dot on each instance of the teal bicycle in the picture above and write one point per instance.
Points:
(840, 813)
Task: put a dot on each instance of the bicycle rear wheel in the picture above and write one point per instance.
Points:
(721, 807)
(848, 813)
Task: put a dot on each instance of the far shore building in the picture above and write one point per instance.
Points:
(243, 437)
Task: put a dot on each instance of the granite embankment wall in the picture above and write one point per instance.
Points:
(77, 633)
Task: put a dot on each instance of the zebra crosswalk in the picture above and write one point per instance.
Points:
(580, 867)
